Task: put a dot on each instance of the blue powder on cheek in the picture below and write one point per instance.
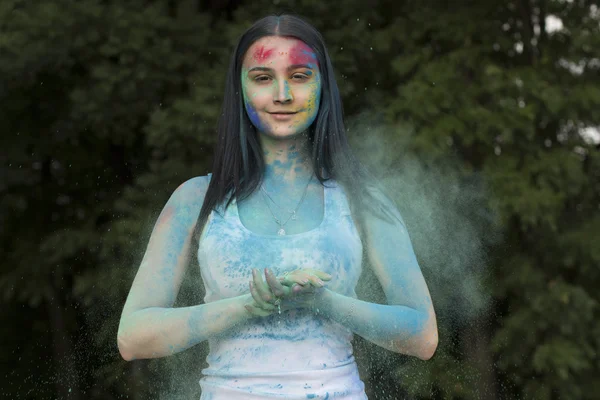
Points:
(253, 115)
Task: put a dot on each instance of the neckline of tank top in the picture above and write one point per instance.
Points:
(292, 235)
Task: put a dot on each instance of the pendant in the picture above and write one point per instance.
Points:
(281, 232)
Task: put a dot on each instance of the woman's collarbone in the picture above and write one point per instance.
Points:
(259, 216)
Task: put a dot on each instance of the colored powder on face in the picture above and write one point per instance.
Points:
(314, 101)
(301, 53)
(250, 110)
(261, 54)
(253, 116)
(286, 87)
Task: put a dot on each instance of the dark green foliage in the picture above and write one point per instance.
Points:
(106, 107)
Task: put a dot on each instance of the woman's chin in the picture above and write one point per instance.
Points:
(288, 133)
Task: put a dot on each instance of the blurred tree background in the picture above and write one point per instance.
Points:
(107, 106)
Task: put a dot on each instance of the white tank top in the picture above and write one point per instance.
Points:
(295, 354)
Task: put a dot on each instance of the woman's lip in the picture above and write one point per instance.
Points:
(281, 116)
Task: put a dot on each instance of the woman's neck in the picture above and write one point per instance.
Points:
(287, 162)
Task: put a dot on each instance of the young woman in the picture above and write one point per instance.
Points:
(279, 228)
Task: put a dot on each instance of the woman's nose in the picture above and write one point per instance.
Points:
(283, 92)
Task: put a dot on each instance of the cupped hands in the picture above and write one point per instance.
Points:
(299, 288)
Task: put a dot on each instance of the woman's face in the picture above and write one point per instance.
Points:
(281, 75)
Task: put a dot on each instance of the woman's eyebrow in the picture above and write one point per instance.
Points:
(291, 67)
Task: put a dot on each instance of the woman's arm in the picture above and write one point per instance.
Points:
(407, 324)
(158, 332)
(149, 327)
(397, 328)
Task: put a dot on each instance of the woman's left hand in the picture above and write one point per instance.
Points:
(297, 290)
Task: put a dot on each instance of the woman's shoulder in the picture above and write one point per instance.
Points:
(197, 182)
(193, 189)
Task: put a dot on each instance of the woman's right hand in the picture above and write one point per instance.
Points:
(304, 277)
(295, 289)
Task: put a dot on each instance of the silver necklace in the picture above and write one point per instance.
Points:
(281, 231)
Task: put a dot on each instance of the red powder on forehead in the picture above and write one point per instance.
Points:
(301, 53)
(261, 54)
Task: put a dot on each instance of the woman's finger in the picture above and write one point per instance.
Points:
(261, 287)
(276, 287)
(258, 299)
(319, 274)
(305, 277)
(323, 275)
(316, 281)
(257, 311)
(290, 279)
(296, 289)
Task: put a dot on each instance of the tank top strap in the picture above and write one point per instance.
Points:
(340, 206)
(221, 209)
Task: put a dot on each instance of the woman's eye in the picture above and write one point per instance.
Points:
(265, 78)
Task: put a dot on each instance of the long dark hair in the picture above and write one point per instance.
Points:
(238, 164)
